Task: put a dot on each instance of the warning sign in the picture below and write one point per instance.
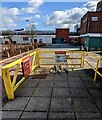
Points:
(26, 66)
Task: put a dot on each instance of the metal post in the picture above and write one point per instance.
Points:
(38, 58)
(95, 75)
(8, 84)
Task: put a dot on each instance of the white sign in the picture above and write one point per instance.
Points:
(94, 18)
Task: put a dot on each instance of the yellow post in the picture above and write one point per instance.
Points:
(8, 84)
(33, 61)
(15, 75)
(38, 54)
(82, 59)
(95, 75)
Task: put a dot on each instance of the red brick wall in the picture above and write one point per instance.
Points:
(89, 26)
(63, 33)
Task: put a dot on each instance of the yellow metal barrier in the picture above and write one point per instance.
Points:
(11, 85)
(36, 60)
(51, 57)
(97, 64)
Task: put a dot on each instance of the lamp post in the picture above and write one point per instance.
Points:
(31, 27)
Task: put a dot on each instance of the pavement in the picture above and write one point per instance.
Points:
(72, 96)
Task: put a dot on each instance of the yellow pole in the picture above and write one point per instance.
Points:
(82, 59)
(38, 54)
(95, 75)
(8, 84)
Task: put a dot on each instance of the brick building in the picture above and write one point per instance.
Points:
(91, 28)
(91, 22)
(63, 33)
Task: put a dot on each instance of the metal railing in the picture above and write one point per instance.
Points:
(11, 84)
(37, 59)
(95, 68)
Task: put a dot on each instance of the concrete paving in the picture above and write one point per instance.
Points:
(72, 96)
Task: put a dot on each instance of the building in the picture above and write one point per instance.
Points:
(99, 6)
(91, 29)
(44, 38)
(77, 28)
(22, 39)
(91, 23)
(62, 34)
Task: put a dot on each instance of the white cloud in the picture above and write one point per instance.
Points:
(11, 15)
(91, 5)
(69, 18)
(28, 10)
(35, 3)
(33, 6)
(8, 17)
(37, 16)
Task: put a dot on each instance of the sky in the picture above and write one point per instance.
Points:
(42, 14)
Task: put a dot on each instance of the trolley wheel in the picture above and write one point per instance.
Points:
(55, 67)
(58, 72)
(52, 70)
(66, 70)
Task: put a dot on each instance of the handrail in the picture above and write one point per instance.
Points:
(11, 85)
(67, 52)
(97, 64)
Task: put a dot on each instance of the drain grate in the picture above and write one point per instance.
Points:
(39, 76)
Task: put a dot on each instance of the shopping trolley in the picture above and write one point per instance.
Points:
(60, 59)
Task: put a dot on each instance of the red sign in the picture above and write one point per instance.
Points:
(26, 66)
(60, 52)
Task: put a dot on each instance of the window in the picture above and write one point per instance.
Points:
(25, 39)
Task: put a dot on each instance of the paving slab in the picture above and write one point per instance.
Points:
(61, 105)
(61, 92)
(11, 114)
(79, 93)
(61, 77)
(61, 84)
(96, 93)
(18, 103)
(24, 92)
(98, 102)
(38, 104)
(30, 83)
(44, 92)
(61, 116)
(45, 84)
(84, 105)
(73, 74)
(90, 85)
(34, 115)
(74, 79)
(76, 85)
(88, 116)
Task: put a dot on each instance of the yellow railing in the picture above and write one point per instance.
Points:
(95, 68)
(50, 55)
(36, 58)
(11, 85)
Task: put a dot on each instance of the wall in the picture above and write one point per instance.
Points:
(19, 39)
(91, 23)
(63, 33)
(45, 38)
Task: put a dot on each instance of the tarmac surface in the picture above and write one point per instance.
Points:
(72, 96)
